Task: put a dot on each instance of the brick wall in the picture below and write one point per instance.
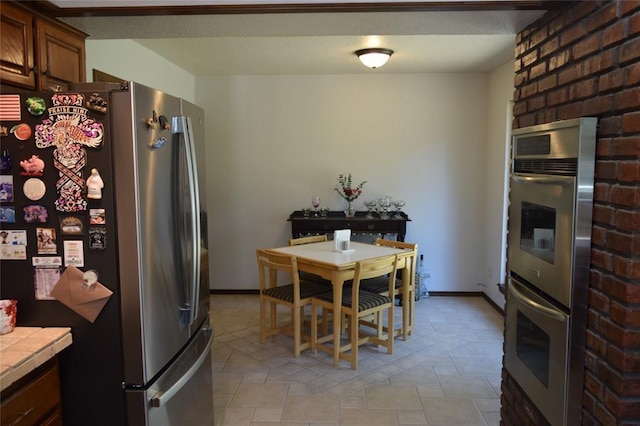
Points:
(585, 61)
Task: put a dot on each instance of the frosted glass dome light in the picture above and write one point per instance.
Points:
(374, 57)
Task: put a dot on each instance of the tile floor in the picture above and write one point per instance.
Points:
(447, 373)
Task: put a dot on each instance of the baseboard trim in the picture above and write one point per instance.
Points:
(431, 293)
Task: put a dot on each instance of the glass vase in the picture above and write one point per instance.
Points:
(350, 211)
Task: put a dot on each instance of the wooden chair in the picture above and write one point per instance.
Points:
(305, 276)
(357, 304)
(405, 290)
(295, 295)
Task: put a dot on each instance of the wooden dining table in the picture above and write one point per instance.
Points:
(321, 259)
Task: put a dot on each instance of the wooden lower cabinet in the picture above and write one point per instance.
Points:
(34, 399)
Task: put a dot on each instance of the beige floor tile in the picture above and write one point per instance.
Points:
(260, 395)
(447, 373)
(317, 408)
(411, 417)
(466, 387)
(397, 397)
(365, 417)
(452, 411)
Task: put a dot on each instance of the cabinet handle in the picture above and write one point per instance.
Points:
(25, 414)
(47, 72)
(371, 226)
(34, 70)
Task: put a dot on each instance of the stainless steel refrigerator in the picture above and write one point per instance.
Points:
(145, 359)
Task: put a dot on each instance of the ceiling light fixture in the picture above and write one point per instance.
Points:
(374, 57)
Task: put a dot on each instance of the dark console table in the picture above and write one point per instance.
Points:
(301, 226)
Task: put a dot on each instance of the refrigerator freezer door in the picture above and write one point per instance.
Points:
(183, 394)
(151, 180)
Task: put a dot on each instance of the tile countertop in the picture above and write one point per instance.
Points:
(26, 348)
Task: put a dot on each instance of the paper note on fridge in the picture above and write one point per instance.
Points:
(86, 301)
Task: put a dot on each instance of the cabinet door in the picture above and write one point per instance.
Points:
(61, 56)
(16, 47)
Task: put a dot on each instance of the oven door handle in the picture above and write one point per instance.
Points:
(544, 180)
(534, 305)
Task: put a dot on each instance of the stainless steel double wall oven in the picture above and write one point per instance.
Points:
(551, 199)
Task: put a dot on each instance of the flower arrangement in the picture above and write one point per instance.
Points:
(345, 189)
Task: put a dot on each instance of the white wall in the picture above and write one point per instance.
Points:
(128, 60)
(499, 130)
(274, 141)
(434, 140)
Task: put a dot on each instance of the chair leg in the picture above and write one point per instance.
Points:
(314, 330)
(354, 331)
(390, 329)
(274, 314)
(263, 321)
(297, 332)
(406, 308)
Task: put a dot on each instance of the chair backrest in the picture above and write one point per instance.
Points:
(402, 245)
(307, 240)
(269, 264)
(371, 268)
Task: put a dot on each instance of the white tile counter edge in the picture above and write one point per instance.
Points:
(26, 348)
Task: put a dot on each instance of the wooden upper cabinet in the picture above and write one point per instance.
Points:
(17, 46)
(61, 57)
(38, 52)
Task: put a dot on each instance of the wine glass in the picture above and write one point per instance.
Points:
(315, 202)
(398, 204)
(384, 203)
(371, 207)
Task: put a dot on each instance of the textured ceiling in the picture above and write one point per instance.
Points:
(321, 43)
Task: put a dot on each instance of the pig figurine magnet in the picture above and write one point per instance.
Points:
(34, 166)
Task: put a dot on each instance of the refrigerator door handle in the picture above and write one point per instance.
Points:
(163, 397)
(182, 125)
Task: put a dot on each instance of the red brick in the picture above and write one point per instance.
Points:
(606, 170)
(634, 25)
(536, 103)
(598, 106)
(600, 63)
(627, 147)
(620, 406)
(613, 35)
(519, 79)
(584, 8)
(626, 268)
(549, 47)
(603, 147)
(519, 108)
(635, 244)
(583, 89)
(611, 81)
(547, 83)
(627, 100)
(537, 37)
(570, 74)
(593, 385)
(625, 315)
(599, 302)
(529, 90)
(632, 74)
(602, 259)
(530, 58)
(621, 290)
(624, 195)
(570, 111)
(619, 242)
(626, 220)
(628, 171)
(630, 51)
(587, 46)
(572, 34)
(604, 16)
(538, 70)
(626, 361)
(598, 236)
(559, 60)
(604, 417)
(557, 97)
(620, 336)
(608, 215)
(631, 123)
(627, 7)
(610, 126)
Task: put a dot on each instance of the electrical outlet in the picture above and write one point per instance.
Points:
(490, 272)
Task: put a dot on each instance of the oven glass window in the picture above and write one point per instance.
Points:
(532, 347)
(537, 231)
